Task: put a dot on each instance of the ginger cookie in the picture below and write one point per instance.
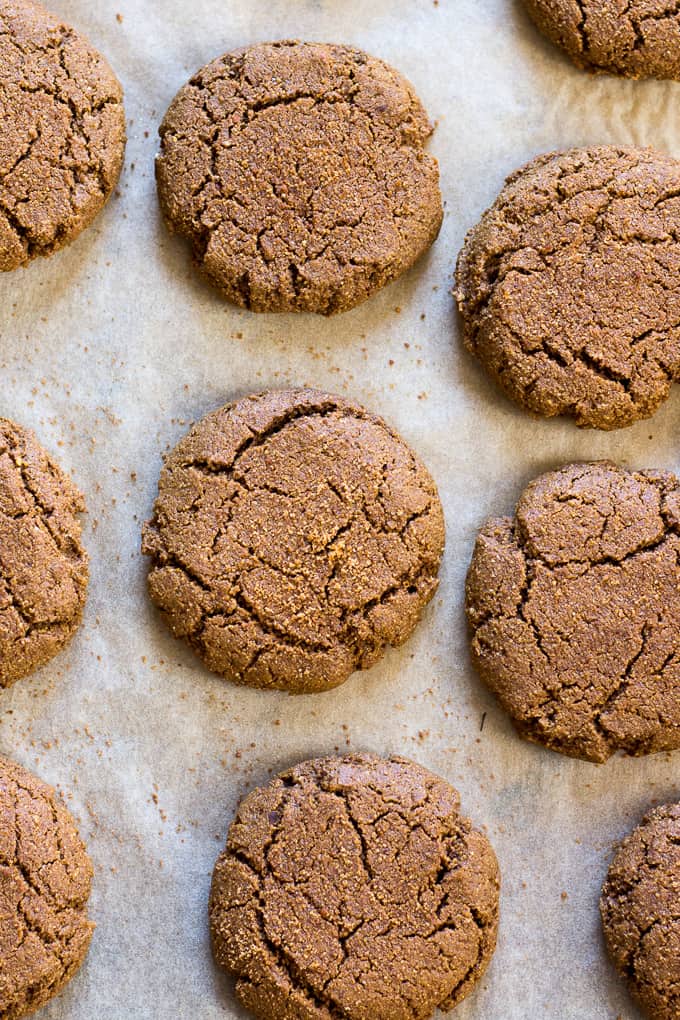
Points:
(43, 566)
(353, 887)
(569, 287)
(63, 136)
(297, 171)
(45, 878)
(640, 908)
(294, 537)
(636, 39)
(574, 608)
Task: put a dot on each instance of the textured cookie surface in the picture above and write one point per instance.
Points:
(45, 877)
(640, 908)
(294, 536)
(574, 607)
(298, 173)
(635, 38)
(43, 566)
(569, 287)
(353, 887)
(63, 133)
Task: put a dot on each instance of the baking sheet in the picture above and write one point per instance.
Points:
(112, 347)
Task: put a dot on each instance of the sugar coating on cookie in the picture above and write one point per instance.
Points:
(63, 133)
(640, 909)
(295, 535)
(298, 173)
(353, 887)
(43, 566)
(574, 610)
(45, 878)
(636, 39)
(569, 287)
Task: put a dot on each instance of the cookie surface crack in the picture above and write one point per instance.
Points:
(65, 133)
(535, 278)
(314, 530)
(299, 178)
(547, 600)
(373, 934)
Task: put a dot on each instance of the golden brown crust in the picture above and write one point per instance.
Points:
(63, 136)
(43, 566)
(574, 608)
(353, 887)
(45, 878)
(298, 173)
(294, 536)
(640, 909)
(636, 39)
(568, 287)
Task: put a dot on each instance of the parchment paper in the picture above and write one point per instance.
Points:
(112, 347)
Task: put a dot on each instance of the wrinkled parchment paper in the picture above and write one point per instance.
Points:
(112, 347)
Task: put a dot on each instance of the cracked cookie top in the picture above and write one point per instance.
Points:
(634, 38)
(353, 887)
(569, 287)
(294, 536)
(43, 566)
(574, 608)
(63, 136)
(298, 173)
(640, 908)
(45, 878)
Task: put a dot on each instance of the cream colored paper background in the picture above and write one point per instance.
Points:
(109, 350)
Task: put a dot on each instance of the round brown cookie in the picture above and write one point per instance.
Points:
(298, 173)
(45, 878)
(63, 136)
(640, 908)
(43, 566)
(635, 38)
(574, 607)
(353, 887)
(294, 536)
(569, 287)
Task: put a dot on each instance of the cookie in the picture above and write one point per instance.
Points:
(294, 537)
(298, 173)
(43, 566)
(569, 287)
(63, 135)
(637, 39)
(353, 887)
(640, 908)
(574, 609)
(45, 878)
